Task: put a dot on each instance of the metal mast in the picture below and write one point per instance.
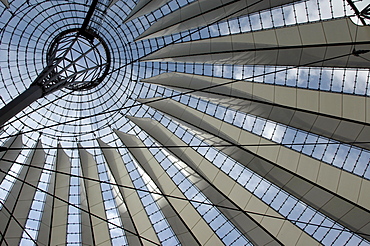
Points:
(77, 59)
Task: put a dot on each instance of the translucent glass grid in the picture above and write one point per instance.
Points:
(159, 222)
(313, 222)
(225, 230)
(327, 79)
(347, 157)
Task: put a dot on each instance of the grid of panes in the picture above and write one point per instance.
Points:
(74, 213)
(115, 224)
(313, 222)
(159, 222)
(36, 212)
(348, 157)
(224, 229)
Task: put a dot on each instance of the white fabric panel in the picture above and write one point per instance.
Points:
(135, 213)
(13, 142)
(59, 209)
(86, 225)
(21, 197)
(177, 224)
(113, 2)
(46, 217)
(260, 230)
(12, 198)
(126, 218)
(339, 116)
(204, 12)
(144, 7)
(312, 44)
(94, 199)
(334, 192)
(187, 213)
(6, 3)
(43, 236)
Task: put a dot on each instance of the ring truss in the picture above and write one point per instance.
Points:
(203, 122)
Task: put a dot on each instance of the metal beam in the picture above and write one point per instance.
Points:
(11, 109)
(89, 15)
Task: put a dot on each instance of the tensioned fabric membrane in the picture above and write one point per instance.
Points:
(185, 122)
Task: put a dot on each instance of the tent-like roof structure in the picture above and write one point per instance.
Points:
(185, 122)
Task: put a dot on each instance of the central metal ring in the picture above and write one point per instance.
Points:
(80, 59)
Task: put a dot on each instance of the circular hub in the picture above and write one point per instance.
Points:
(79, 60)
